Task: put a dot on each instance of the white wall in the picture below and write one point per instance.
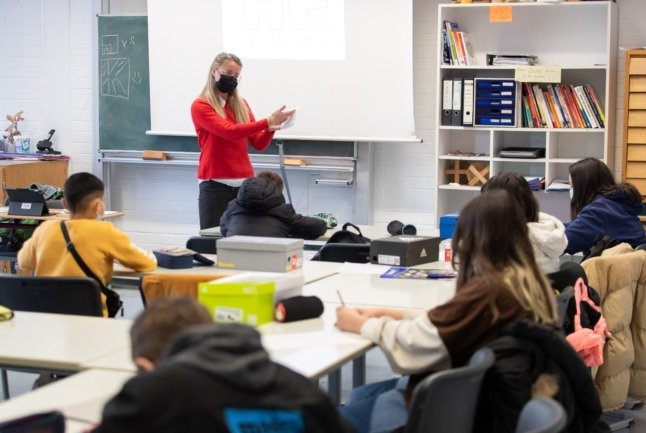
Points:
(46, 63)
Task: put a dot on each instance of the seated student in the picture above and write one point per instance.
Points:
(498, 283)
(260, 210)
(600, 206)
(197, 376)
(98, 243)
(546, 232)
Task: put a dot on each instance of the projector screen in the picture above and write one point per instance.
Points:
(345, 65)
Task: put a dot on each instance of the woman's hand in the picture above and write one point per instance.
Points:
(276, 118)
(349, 319)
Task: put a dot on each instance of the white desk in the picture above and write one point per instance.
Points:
(80, 397)
(57, 342)
(311, 271)
(313, 348)
(371, 290)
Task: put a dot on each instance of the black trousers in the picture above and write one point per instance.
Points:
(212, 202)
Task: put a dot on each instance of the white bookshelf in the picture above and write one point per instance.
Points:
(580, 38)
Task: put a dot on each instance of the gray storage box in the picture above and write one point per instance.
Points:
(254, 253)
(404, 250)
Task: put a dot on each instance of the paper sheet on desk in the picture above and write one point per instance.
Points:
(275, 343)
(363, 268)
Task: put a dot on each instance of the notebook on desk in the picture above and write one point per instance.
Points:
(26, 202)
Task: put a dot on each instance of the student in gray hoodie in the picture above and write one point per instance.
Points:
(198, 377)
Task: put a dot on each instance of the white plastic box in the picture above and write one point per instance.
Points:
(254, 253)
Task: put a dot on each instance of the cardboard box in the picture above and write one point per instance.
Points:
(286, 285)
(254, 253)
(404, 250)
(250, 302)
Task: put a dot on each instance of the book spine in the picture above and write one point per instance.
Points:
(536, 118)
(551, 104)
(574, 110)
(595, 103)
(563, 104)
(580, 107)
(527, 116)
(586, 106)
(446, 49)
(459, 43)
(449, 31)
(470, 52)
(542, 107)
(565, 123)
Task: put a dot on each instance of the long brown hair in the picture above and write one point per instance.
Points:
(487, 247)
(518, 188)
(210, 91)
(590, 178)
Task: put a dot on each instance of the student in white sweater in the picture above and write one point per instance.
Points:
(498, 283)
(546, 232)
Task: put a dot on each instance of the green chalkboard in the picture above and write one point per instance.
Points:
(124, 96)
(124, 88)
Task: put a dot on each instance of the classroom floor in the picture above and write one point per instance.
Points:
(376, 367)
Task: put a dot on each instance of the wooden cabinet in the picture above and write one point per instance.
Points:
(19, 174)
(577, 37)
(634, 150)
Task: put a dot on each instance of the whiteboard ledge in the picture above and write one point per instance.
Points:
(305, 137)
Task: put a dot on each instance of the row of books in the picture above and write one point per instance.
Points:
(561, 106)
(457, 47)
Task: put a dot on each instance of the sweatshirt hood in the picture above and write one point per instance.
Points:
(259, 195)
(620, 196)
(548, 235)
(232, 352)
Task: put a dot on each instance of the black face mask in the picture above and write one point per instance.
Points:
(227, 83)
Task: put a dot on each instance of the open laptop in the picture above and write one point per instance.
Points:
(26, 202)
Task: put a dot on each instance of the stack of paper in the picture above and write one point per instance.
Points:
(558, 185)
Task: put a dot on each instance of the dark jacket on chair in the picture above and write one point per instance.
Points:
(218, 378)
(260, 210)
(524, 352)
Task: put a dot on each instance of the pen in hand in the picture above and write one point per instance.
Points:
(340, 298)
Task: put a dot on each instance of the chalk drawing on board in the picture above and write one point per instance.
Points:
(115, 77)
(109, 44)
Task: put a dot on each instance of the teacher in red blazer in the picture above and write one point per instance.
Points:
(225, 124)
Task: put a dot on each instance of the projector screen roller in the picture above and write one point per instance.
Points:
(346, 65)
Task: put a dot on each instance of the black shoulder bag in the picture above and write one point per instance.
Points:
(112, 298)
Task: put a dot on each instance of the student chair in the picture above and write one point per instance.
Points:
(541, 415)
(44, 422)
(202, 244)
(353, 253)
(60, 295)
(446, 402)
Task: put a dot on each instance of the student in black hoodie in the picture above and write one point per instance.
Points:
(260, 210)
(198, 377)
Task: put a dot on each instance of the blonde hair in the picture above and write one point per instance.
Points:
(484, 247)
(210, 91)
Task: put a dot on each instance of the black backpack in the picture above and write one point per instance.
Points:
(345, 236)
(601, 242)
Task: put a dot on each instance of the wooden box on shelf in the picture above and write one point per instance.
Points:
(467, 173)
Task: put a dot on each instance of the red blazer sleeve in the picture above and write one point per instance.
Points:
(259, 140)
(205, 117)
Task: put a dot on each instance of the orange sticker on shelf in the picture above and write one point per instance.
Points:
(500, 14)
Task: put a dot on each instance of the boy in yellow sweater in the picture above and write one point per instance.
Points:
(98, 243)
